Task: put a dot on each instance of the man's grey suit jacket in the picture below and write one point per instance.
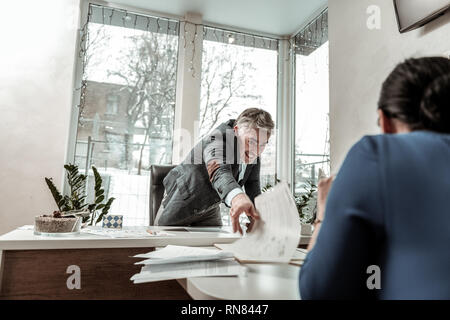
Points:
(189, 188)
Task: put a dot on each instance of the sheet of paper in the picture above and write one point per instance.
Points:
(219, 255)
(208, 229)
(299, 255)
(296, 262)
(275, 238)
(125, 233)
(172, 251)
(188, 270)
(181, 229)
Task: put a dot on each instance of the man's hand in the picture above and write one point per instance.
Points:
(242, 204)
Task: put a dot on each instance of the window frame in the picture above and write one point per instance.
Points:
(285, 109)
(250, 40)
(314, 17)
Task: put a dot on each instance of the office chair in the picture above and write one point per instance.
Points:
(157, 175)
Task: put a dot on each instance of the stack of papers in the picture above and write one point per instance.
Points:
(276, 235)
(175, 254)
(299, 257)
(178, 262)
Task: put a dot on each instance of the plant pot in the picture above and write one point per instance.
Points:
(50, 226)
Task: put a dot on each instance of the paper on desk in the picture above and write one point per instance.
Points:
(172, 251)
(223, 255)
(189, 269)
(276, 236)
(176, 254)
(299, 257)
(125, 233)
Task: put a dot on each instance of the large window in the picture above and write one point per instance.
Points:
(312, 146)
(127, 98)
(127, 103)
(239, 71)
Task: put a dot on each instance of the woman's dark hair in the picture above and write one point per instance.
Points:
(417, 92)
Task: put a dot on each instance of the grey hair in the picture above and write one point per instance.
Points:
(255, 118)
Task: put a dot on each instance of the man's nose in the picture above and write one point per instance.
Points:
(254, 154)
(253, 150)
(261, 149)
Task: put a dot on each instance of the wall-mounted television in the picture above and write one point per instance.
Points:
(413, 14)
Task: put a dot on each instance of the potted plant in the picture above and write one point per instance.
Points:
(73, 210)
(307, 203)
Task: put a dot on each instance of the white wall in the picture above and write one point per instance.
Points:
(36, 69)
(360, 60)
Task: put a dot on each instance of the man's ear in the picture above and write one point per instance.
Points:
(386, 124)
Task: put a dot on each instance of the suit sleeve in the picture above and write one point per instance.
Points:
(336, 268)
(231, 195)
(253, 185)
(221, 150)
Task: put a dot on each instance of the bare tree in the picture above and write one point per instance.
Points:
(225, 77)
(149, 72)
(97, 40)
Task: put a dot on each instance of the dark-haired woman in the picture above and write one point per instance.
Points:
(385, 231)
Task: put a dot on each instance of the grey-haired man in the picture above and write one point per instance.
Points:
(223, 167)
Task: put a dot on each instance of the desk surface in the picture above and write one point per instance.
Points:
(263, 282)
(20, 239)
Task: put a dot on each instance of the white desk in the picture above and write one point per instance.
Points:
(106, 265)
(193, 236)
(263, 282)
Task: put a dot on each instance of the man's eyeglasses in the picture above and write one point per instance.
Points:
(254, 143)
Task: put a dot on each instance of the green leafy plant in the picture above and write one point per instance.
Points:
(301, 201)
(77, 199)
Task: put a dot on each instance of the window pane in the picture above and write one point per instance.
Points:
(127, 116)
(312, 145)
(234, 78)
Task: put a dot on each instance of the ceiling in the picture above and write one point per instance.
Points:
(276, 17)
